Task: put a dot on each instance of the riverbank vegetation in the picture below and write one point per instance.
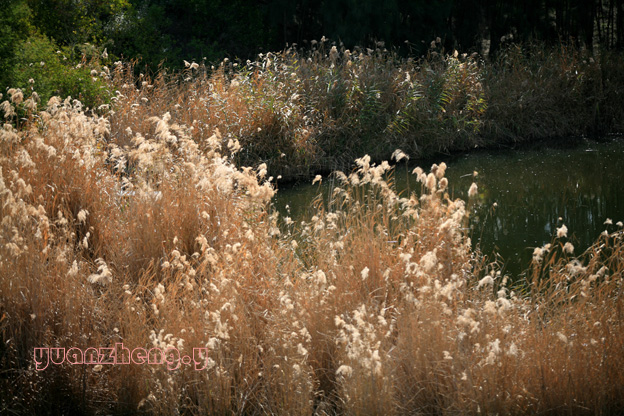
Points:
(303, 112)
(136, 226)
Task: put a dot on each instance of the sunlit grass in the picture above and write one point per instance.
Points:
(139, 228)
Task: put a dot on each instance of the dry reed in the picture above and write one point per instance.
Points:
(138, 228)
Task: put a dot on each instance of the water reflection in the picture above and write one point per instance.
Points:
(535, 191)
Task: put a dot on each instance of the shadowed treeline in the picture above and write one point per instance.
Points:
(172, 30)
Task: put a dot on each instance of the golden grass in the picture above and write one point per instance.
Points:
(146, 233)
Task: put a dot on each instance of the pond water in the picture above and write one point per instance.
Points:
(535, 190)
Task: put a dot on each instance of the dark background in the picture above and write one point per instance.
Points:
(172, 30)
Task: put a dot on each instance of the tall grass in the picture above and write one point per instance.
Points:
(536, 93)
(139, 228)
(308, 111)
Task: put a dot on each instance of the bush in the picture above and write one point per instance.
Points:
(41, 66)
(14, 27)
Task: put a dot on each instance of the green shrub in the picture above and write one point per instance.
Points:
(14, 26)
(41, 66)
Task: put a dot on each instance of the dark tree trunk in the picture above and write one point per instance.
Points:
(620, 24)
(586, 23)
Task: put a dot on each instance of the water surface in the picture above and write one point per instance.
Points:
(535, 191)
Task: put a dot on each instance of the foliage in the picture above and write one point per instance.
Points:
(446, 103)
(40, 66)
(15, 26)
(71, 22)
(31, 61)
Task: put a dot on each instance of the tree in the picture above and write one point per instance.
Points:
(15, 18)
(70, 22)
